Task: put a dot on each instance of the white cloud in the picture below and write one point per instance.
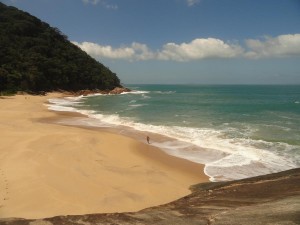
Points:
(93, 2)
(102, 2)
(195, 50)
(136, 51)
(99, 51)
(142, 52)
(280, 46)
(192, 2)
(198, 49)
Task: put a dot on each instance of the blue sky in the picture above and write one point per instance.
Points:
(183, 41)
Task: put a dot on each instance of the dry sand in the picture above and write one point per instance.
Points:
(49, 169)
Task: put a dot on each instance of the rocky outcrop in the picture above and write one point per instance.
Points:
(119, 90)
(269, 199)
(115, 91)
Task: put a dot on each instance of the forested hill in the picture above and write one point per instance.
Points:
(36, 57)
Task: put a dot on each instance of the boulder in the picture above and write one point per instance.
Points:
(119, 90)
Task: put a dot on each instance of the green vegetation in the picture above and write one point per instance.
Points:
(35, 57)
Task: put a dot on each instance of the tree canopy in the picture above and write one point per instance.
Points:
(37, 57)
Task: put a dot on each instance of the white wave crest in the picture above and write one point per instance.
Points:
(134, 92)
(164, 92)
(225, 158)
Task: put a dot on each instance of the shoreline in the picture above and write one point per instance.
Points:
(49, 169)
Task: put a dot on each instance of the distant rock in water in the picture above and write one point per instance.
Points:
(115, 91)
(119, 90)
(36, 58)
(268, 199)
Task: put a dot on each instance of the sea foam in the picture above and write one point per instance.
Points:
(225, 158)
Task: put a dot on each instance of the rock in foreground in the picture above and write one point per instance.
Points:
(269, 199)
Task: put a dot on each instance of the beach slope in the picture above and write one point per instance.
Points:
(47, 169)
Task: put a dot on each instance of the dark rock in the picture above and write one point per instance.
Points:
(115, 91)
(119, 90)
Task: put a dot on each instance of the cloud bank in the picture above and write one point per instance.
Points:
(198, 49)
(201, 48)
(136, 51)
(280, 46)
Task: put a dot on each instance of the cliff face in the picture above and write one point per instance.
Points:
(269, 199)
(37, 57)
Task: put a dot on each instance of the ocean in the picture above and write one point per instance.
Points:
(237, 131)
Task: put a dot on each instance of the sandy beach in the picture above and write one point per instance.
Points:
(48, 169)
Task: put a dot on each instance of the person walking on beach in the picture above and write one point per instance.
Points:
(148, 139)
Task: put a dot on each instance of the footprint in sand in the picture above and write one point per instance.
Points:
(3, 188)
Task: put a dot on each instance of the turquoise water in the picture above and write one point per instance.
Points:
(236, 131)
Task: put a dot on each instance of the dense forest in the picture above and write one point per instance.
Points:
(36, 57)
